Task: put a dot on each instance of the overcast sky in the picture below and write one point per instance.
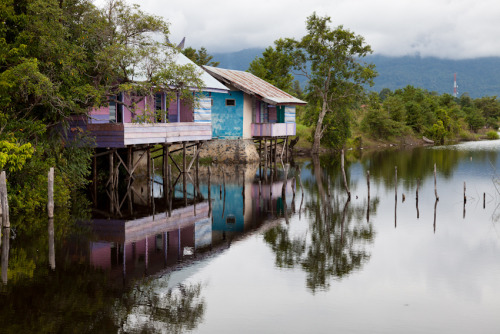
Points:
(454, 29)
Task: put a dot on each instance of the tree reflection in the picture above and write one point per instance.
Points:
(153, 307)
(338, 238)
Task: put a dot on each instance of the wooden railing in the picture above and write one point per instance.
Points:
(273, 129)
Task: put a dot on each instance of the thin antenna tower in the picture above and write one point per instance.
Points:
(455, 87)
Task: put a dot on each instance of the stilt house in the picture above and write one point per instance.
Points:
(253, 109)
(116, 126)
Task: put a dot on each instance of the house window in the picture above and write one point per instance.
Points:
(230, 102)
(115, 109)
(158, 107)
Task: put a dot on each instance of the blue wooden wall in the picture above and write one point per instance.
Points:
(227, 121)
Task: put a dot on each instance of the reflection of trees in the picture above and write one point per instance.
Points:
(147, 309)
(418, 163)
(337, 239)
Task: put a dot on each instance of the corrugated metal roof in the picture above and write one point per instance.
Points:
(253, 85)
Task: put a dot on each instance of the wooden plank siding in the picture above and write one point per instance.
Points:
(273, 129)
(118, 135)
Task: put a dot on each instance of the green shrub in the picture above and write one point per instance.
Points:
(491, 135)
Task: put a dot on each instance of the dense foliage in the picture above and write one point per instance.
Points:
(58, 58)
(415, 111)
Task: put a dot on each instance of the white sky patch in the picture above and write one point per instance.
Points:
(454, 29)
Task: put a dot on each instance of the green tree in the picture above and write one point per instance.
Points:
(274, 67)
(330, 58)
(200, 57)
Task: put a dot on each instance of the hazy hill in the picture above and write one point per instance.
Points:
(478, 77)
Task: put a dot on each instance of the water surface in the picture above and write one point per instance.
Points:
(264, 257)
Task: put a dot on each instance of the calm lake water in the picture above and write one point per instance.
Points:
(268, 258)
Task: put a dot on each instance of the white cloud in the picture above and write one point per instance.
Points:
(441, 28)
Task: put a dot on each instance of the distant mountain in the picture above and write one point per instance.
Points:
(239, 60)
(477, 77)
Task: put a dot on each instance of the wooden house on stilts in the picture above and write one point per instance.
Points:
(253, 109)
(127, 136)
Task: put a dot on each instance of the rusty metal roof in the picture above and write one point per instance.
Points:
(250, 84)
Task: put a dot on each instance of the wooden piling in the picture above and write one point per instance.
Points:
(343, 174)
(368, 187)
(5, 253)
(465, 197)
(396, 183)
(435, 183)
(52, 254)
(50, 203)
(484, 200)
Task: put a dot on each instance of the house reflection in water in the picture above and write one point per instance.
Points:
(144, 246)
(135, 247)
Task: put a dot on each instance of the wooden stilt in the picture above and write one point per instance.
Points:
(199, 195)
(165, 174)
(111, 170)
(171, 193)
(94, 179)
(184, 176)
(148, 174)
(265, 154)
(286, 149)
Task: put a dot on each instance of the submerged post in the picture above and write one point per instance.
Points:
(50, 203)
(435, 183)
(343, 174)
(465, 198)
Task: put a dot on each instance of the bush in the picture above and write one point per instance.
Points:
(491, 135)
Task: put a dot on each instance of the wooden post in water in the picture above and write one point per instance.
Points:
(50, 203)
(343, 174)
(5, 253)
(4, 199)
(395, 196)
(484, 200)
(416, 201)
(435, 183)
(396, 183)
(52, 254)
(465, 198)
(368, 186)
